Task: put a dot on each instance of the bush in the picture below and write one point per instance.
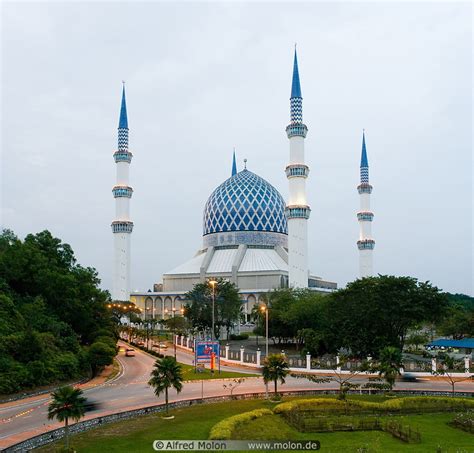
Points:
(241, 336)
(407, 405)
(464, 421)
(224, 429)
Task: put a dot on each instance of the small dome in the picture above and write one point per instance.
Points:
(245, 202)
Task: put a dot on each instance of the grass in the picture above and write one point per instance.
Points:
(436, 436)
(190, 374)
(196, 422)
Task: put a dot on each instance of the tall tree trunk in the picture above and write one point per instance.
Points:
(166, 399)
(66, 433)
(275, 382)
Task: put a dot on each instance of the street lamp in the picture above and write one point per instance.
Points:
(264, 309)
(213, 283)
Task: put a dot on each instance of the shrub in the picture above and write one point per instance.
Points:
(241, 336)
(464, 421)
(224, 429)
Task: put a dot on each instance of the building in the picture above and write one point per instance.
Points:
(250, 235)
(366, 243)
(122, 226)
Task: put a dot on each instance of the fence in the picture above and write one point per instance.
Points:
(326, 364)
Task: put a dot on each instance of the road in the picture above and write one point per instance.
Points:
(22, 419)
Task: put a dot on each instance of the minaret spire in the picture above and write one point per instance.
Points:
(365, 216)
(122, 226)
(123, 121)
(234, 165)
(295, 85)
(297, 210)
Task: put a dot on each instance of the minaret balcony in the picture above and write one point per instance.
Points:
(296, 130)
(297, 212)
(364, 188)
(366, 244)
(295, 170)
(123, 156)
(122, 191)
(122, 226)
(365, 216)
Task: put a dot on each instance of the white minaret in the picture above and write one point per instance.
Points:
(297, 210)
(122, 226)
(365, 216)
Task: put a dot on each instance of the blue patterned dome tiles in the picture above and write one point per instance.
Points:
(245, 202)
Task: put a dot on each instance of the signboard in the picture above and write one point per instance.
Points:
(207, 352)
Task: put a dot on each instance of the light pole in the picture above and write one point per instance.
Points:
(213, 284)
(264, 308)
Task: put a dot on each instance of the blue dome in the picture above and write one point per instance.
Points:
(245, 202)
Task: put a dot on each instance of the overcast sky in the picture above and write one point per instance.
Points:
(203, 78)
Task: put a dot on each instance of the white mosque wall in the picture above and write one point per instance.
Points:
(365, 230)
(122, 208)
(297, 192)
(365, 263)
(180, 283)
(121, 281)
(365, 202)
(123, 169)
(297, 253)
(296, 150)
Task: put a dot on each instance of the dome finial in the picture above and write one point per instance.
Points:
(245, 164)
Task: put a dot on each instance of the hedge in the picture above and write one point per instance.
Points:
(398, 405)
(224, 429)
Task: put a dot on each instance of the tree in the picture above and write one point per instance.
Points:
(459, 319)
(178, 325)
(227, 306)
(275, 368)
(167, 373)
(374, 312)
(51, 311)
(342, 379)
(448, 367)
(390, 363)
(100, 355)
(67, 403)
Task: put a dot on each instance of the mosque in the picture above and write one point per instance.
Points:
(250, 235)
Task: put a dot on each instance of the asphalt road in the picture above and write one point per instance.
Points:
(22, 419)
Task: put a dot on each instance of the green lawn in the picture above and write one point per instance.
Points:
(195, 423)
(190, 374)
(435, 433)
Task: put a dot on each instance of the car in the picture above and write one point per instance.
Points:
(163, 346)
(129, 352)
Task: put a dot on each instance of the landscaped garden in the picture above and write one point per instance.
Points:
(362, 423)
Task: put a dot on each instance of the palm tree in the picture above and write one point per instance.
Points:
(166, 373)
(390, 363)
(67, 402)
(275, 368)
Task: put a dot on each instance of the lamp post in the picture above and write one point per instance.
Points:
(213, 283)
(264, 308)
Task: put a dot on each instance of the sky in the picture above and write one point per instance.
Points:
(202, 78)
